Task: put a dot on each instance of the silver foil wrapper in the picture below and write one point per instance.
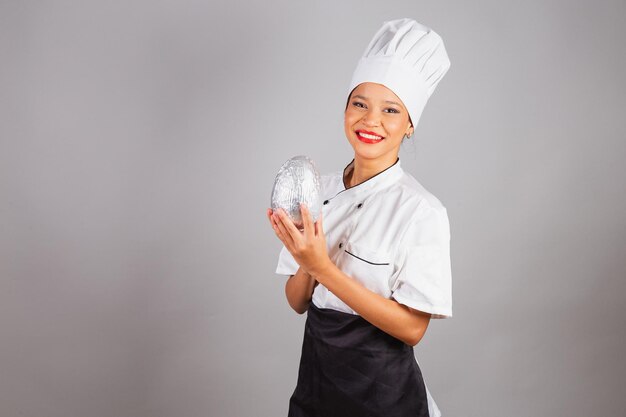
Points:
(297, 181)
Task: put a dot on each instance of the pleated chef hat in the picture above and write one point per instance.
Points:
(406, 57)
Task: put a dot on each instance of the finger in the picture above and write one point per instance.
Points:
(319, 229)
(282, 234)
(274, 225)
(285, 235)
(272, 219)
(277, 231)
(290, 228)
(309, 228)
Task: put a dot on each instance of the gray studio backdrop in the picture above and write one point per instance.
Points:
(139, 142)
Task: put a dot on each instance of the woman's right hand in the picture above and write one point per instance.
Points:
(299, 287)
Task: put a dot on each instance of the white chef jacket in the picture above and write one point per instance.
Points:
(390, 234)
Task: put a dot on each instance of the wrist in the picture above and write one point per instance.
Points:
(321, 270)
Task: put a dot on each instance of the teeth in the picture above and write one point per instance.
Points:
(368, 136)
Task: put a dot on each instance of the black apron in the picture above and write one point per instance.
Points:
(350, 368)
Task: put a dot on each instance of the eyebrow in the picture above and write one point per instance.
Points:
(386, 101)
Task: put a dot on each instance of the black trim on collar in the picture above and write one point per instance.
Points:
(343, 177)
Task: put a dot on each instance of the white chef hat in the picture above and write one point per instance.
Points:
(406, 57)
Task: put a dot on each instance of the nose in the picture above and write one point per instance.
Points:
(370, 118)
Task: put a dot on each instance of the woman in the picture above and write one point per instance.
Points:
(375, 267)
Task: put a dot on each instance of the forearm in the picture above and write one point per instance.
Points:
(299, 290)
(388, 315)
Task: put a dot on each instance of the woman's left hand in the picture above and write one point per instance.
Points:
(307, 247)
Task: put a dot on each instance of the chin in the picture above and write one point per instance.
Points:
(367, 155)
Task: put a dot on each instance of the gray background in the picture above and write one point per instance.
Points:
(139, 143)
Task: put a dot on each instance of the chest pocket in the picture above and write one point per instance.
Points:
(371, 267)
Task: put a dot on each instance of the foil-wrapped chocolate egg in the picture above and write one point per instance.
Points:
(297, 181)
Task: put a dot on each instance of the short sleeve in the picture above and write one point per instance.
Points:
(423, 278)
(286, 264)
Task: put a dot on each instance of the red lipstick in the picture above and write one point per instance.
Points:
(368, 140)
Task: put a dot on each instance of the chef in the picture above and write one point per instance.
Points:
(374, 269)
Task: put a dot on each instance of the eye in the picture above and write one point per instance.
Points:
(358, 104)
(391, 110)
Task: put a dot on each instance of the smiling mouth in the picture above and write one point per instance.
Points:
(368, 137)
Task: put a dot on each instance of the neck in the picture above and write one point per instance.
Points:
(364, 169)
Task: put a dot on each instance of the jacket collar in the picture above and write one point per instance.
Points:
(384, 178)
